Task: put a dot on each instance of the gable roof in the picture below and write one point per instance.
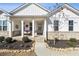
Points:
(3, 11)
(65, 5)
(26, 5)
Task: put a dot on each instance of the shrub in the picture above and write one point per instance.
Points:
(8, 40)
(73, 40)
(72, 44)
(26, 39)
(2, 38)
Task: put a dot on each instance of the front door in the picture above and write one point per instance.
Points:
(40, 29)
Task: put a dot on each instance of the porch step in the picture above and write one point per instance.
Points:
(19, 38)
(39, 39)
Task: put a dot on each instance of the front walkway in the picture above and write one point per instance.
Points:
(40, 47)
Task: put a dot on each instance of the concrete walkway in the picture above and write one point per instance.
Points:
(40, 47)
(41, 50)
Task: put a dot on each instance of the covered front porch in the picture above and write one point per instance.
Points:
(28, 26)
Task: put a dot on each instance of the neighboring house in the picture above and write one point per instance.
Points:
(33, 19)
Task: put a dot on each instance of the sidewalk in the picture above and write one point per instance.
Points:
(41, 50)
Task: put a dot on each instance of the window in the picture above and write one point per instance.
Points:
(56, 25)
(3, 25)
(30, 26)
(70, 25)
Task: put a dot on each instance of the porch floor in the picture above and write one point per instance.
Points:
(19, 38)
(36, 38)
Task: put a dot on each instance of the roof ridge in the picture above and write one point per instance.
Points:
(17, 8)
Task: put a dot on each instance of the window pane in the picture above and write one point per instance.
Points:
(70, 25)
(4, 23)
(70, 22)
(0, 27)
(56, 22)
(70, 28)
(56, 25)
(55, 28)
(1, 23)
(4, 28)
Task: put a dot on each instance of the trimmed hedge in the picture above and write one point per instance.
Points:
(26, 39)
(8, 40)
(2, 38)
(73, 40)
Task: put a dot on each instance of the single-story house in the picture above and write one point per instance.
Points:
(35, 20)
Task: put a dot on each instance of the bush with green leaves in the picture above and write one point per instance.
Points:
(26, 39)
(2, 38)
(8, 40)
(72, 42)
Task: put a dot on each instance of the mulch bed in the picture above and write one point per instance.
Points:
(16, 45)
(60, 43)
(19, 53)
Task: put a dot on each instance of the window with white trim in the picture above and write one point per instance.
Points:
(70, 25)
(56, 25)
(3, 25)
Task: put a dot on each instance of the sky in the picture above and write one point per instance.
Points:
(50, 6)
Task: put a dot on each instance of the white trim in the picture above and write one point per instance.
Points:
(45, 28)
(10, 27)
(22, 28)
(33, 29)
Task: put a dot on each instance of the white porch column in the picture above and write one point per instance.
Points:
(45, 28)
(10, 27)
(33, 29)
(22, 28)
